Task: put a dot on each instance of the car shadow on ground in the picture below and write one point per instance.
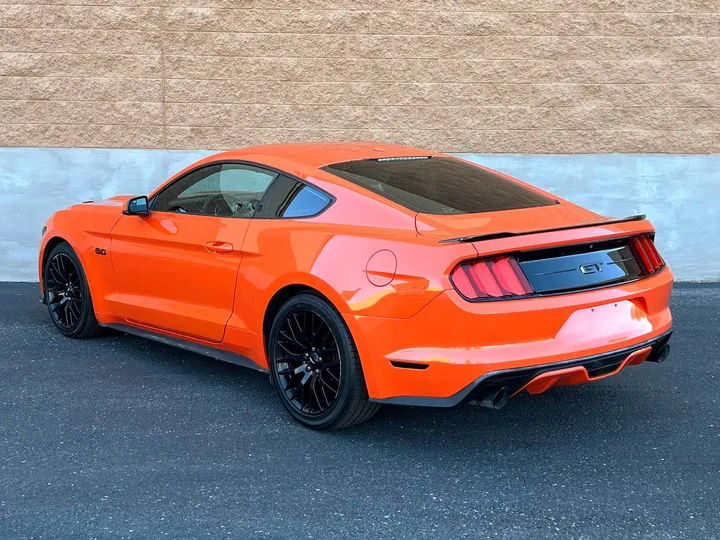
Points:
(554, 418)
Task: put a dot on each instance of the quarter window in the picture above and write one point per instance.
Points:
(307, 202)
(288, 198)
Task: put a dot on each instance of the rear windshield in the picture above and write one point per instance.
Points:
(439, 185)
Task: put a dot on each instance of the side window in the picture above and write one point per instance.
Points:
(230, 190)
(289, 198)
(307, 202)
(167, 199)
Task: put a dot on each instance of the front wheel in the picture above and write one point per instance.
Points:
(315, 367)
(67, 294)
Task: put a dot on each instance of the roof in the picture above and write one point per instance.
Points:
(325, 153)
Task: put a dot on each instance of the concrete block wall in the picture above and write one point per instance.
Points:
(515, 76)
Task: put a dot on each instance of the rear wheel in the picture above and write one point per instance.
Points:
(67, 295)
(315, 367)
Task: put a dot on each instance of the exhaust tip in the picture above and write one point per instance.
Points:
(663, 353)
(494, 398)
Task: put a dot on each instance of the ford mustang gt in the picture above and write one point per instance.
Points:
(358, 274)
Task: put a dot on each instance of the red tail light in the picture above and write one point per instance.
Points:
(649, 257)
(500, 277)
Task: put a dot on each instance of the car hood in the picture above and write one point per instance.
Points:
(117, 200)
(524, 220)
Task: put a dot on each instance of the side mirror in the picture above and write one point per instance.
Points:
(137, 206)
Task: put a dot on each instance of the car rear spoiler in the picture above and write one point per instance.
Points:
(494, 236)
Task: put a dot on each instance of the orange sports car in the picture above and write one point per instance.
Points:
(358, 274)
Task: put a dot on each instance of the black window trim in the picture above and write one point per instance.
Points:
(331, 198)
(278, 173)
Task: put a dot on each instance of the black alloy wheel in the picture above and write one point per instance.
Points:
(308, 362)
(67, 294)
(315, 367)
(63, 291)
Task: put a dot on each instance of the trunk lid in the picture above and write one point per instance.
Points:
(583, 266)
(560, 248)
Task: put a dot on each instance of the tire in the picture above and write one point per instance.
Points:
(306, 377)
(67, 295)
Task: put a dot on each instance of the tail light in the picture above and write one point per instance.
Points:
(484, 279)
(645, 250)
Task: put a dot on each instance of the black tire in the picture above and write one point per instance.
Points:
(67, 294)
(336, 359)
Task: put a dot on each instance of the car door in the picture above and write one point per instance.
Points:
(176, 268)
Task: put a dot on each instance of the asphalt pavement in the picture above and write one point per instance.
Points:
(119, 437)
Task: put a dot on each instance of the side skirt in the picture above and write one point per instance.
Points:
(212, 352)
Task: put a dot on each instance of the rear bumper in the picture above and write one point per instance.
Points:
(451, 344)
(538, 379)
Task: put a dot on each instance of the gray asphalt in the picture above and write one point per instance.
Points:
(118, 437)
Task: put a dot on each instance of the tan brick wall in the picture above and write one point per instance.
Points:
(521, 76)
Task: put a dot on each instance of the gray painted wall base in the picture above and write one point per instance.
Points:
(679, 193)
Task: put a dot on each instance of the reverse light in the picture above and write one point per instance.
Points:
(499, 277)
(646, 252)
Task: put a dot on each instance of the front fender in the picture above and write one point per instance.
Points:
(86, 228)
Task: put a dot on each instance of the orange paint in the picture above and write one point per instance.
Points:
(210, 279)
(578, 374)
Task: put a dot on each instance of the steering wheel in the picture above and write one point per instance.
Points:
(245, 209)
(252, 205)
(216, 206)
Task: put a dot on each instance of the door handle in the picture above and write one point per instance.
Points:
(219, 247)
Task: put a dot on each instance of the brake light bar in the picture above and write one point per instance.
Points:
(499, 277)
(645, 250)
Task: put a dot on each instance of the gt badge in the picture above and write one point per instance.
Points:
(591, 268)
